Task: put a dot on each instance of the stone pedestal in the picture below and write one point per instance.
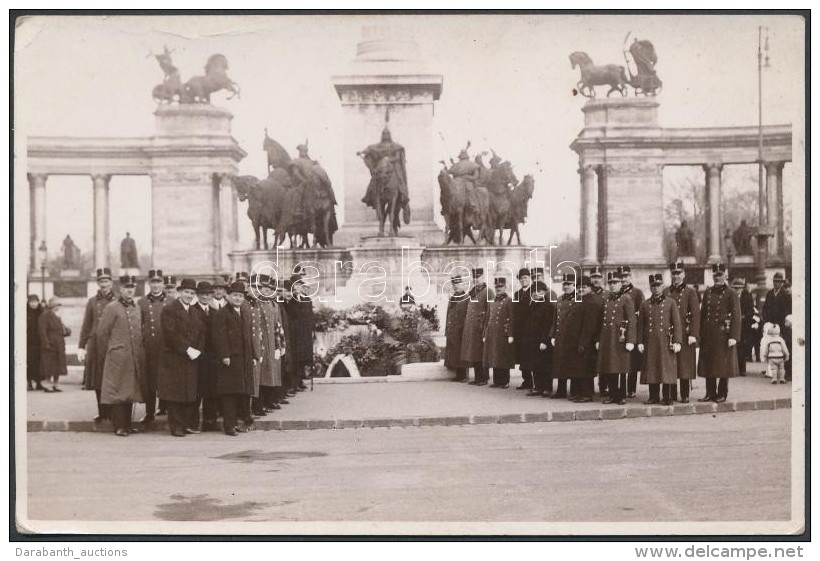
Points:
(192, 152)
(387, 76)
(381, 268)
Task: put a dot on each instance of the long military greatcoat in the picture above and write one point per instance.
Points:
(472, 345)
(52, 333)
(581, 328)
(271, 342)
(119, 335)
(178, 376)
(618, 311)
(151, 312)
(92, 373)
(686, 299)
(638, 298)
(498, 352)
(720, 306)
(233, 338)
(257, 341)
(559, 333)
(536, 330)
(454, 329)
(659, 321)
(521, 309)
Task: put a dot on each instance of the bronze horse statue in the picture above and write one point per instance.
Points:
(499, 184)
(264, 203)
(466, 207)
(519, 201)
(592, 75)
(199, 88)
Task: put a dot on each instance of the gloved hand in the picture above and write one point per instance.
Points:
(277, 354)
(732, 342)
(193, 353)
(553, 341)
(284, 349)
(676, 347)
(630, 346)
(691, 340)
(510, 340)
(597, 346)
(226, 361)
(542, 347)
(81, 355)
(641, 347)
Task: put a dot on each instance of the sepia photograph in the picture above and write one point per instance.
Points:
(409, 274)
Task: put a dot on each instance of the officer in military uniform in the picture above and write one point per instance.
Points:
(170, 288)
(454, 328)
(498, 335)
(521, 309)
(637, 301)
(558, 334)
(720, 332)
(617, 339)
(150, 307)
(686, 298)
(659, 340)
(599, 295)
(583, 326)
(88, 350)
(472, 344)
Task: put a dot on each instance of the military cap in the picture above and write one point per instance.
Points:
(613, 276)
(676, 267)
(456, 278)
(719, 269)
(170, 281)
(596, 272)
(128, 280)
(241, 276)
(536, 271)
(187, 284)
(655, 279)
(524, 272)
(237, 286)
(204, 287)
(299, 271)
(155, 274)
(569, 278)
(624, 270)
(477, 272)
(586, 281)
(104, 273)
(288, 284)
(500, 281)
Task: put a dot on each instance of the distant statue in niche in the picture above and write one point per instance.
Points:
(71, 253)
(128, 252)
(742, 239)
(685, 240)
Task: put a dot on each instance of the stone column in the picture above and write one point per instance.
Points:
(713, 209)
(37, 191)
(101, 232)
(589, 214)
(774, 213)
(226, 222)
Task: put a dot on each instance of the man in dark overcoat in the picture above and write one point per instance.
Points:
(617, 341)
(558, 334)
(454, 328)
(120, 337)
(33, 374)
(582, 327)
(747, 318)
(686, 298)
(637, 303)
(207, 363)
(151, 306)
(303, 324)
(233, 344)
(521, 307)
(498, 335)
(183, 338)
(599, 295)
(52, 332)
(536, 348)
(472, 344)
(659, 340)
(778, 303)
(720, 332)
(289, 313)
(87, 349)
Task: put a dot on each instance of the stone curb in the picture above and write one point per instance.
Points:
(596, 414)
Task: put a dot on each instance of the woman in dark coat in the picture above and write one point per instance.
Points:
(454, 328)
(535, 346)
(52, 343)
(33, 374)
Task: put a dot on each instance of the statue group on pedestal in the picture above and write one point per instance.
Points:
(199, 88)
(475, 197)
(644, 81)
(296, 199)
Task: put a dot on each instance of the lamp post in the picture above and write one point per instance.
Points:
(763, 233)
(43, 253)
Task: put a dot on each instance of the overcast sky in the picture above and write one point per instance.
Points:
(507, 85)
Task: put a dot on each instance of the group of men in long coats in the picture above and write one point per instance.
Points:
(196, 350)
(590, 332)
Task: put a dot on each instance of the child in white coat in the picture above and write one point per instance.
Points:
(774, 353)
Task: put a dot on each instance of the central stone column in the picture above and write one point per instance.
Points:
(387, 75)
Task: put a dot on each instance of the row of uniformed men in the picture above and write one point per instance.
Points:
(238, 349)
(591, 331)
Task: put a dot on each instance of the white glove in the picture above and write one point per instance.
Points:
(509, 340)
(754, 326)
(254, 362)
(284, 350)
(483, 339)
(260, 360)
(226, 361)
(640, 347)
(732, 342)
(81, 355)
(630, 346)
(676, 347)
(552, 341)
(692, 340)
(597, 346)
(193, 353)
(542, 347)
(277, 354)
